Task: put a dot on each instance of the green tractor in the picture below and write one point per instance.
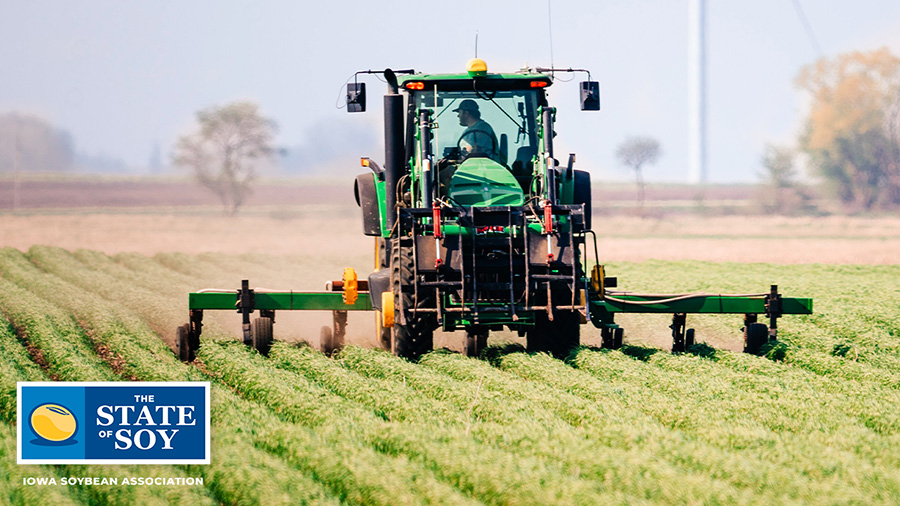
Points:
(479, 228)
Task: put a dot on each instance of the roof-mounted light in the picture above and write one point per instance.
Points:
(539, 84)
(476, 67)
(415, 85)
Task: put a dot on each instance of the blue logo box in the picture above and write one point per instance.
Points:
(113, 422)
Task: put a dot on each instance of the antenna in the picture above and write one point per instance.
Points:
(476, 43)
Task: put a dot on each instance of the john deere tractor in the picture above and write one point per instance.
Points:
(478, 227)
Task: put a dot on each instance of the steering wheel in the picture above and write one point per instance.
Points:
(474, 133)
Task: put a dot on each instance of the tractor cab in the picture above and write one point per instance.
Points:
(482, 131)
(473, 128)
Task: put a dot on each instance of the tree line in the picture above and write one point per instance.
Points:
(851, 138)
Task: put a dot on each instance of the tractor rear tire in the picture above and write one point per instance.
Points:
(476, 341)
(413, 333)
(755, 336)
(557, 337)
(182, 343)
(261, 335)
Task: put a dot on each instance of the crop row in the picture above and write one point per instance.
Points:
(240, 473)
(233, 425)
(629, 426)
(64, 348)
(489, 474)
(629, 471)
(16, 366)
(854, 317)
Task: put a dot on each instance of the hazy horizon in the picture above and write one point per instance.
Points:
(125, 79)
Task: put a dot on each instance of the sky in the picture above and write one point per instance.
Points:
(126, 77)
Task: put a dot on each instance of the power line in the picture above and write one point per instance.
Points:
(808, 27)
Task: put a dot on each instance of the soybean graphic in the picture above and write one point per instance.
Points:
(53, 422)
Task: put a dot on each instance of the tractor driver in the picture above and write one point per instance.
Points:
(478, 139)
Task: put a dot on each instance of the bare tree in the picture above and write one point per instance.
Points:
(223, 152)
(781, 192)
(635, 152)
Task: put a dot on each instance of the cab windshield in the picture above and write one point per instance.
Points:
(496, 124)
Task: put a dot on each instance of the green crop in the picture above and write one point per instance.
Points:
(815, 423)
(63, 346)
(11, 489)
(15, 365)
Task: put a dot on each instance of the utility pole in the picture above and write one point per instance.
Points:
(697, 91)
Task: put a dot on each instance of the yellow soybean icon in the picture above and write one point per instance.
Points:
(53, 422)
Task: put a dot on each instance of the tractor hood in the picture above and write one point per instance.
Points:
(480, 182)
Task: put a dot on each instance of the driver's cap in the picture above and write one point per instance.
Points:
(467, 105)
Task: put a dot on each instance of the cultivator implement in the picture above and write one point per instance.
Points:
(771, 305)
(349, 294)
(479, 228)
(339, 297)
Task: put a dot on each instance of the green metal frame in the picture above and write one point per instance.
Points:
(602, 310)
(281, 301)
(702, 304)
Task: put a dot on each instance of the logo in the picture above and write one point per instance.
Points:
(113, 423)
(53, 424)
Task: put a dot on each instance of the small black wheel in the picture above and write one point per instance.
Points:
(261, 334)
(755, 336)
(618, 335)
(607, 340)
(182, 343)
(689, 338)
(476, 341)
(326, 340)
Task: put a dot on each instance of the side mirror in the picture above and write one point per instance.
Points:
(590, 96)
(356, 97)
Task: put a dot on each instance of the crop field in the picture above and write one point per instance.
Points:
(816, 421)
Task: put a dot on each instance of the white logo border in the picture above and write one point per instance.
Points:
(78, 384)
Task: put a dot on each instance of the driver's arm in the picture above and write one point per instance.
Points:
(471, 142)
